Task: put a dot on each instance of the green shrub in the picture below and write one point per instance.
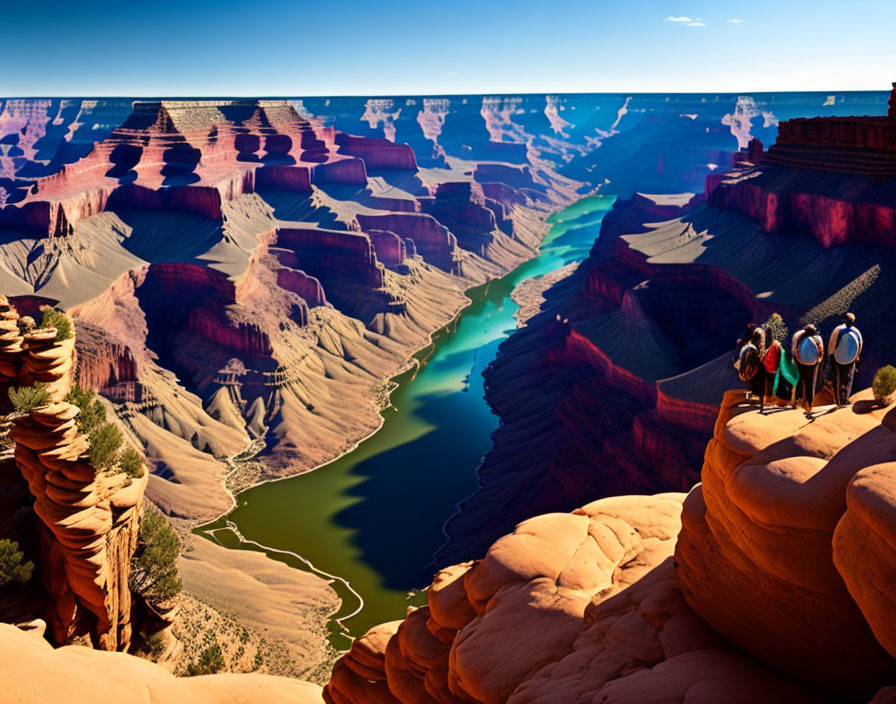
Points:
(131, 463)
(154, 565)
(13, 567)
(27, 398)
(153, 645)
(105, 438)
(53, 318)
(776, 328)
(92, 411)
(884, 383)
(210, 661)
(105, 442)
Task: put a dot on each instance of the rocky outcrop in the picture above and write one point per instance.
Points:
(755, 557)
(517, 177)
(570, 607)
(462, 208)
(290, 178)
(350, 171)
(434, 242)
(864, 544)
(391, 249)
(107, 365)
(835, 208)
(857, 145)
(637, 599)
(346, 265)
(378, 153)
(831, 177)
(89, 519)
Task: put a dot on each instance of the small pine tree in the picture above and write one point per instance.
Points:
(153, 645)
(26, 398)
(105, 442)
(154, 566)
(131, 462)
(53, 318)
(884, 384)
(92, 411)
(13, 567)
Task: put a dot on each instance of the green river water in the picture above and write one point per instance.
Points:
(372, 519)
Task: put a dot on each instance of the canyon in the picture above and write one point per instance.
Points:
(245, 279)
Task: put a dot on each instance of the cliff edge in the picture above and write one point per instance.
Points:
(768, 582)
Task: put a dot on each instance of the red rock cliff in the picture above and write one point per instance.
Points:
(829, 176)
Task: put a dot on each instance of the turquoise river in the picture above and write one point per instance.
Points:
(372, 519)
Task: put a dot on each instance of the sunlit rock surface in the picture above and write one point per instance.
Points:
(736, 596)
(35, 672)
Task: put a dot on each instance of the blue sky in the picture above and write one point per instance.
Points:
(393, 47)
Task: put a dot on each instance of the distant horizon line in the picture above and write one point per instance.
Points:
(286, 96)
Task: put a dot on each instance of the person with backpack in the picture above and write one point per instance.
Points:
(808, 350)
(844, 350)
(771, 361)
(749, 365)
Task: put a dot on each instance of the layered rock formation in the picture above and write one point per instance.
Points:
(243, 247)
(592, 605)
(89, 519)
(757, 535)
(831, 177)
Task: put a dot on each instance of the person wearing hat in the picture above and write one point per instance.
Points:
(844, 349)
(808, 350)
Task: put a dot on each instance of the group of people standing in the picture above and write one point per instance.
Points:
(795, 374)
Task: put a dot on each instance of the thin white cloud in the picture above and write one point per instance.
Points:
(686, 21)
(736, 20)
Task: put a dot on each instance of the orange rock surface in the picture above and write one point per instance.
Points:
(755, 557)
(570, 607)
(33, 671)
(865, 537)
